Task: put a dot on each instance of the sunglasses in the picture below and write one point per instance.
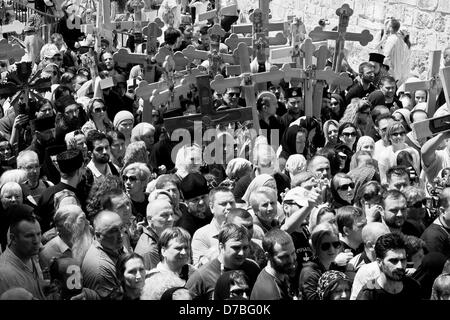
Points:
(420, 204)
(327, 245)
(347, 186)
(334, 103)
(232, 94)
(398, 134)
(131, 178)
(98, 110)
(349, 134)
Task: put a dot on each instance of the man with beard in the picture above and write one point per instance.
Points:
(69, 117)
(273, 281)
(394, 210)
(159, 218)
(364, 85)
(195, 192)
(98, 145)
(295, 107)
(73, 239)
(392, 284)
(380, 69)
(233, 246)
(386, 95)
(70, 164)
(44, 136)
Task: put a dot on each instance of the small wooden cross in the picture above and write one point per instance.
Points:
(217, 12)
(344, 13)
(431, 85)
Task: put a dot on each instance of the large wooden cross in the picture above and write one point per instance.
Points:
(309, 74)
(431, 85)
(344, 13)
(247, 80)
(209, 118)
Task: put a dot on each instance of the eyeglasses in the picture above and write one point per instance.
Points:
(419, 204)
(347, 186)
(98, 110)
(402, 133)
(327, 245)
(349, 134)
(131, 178)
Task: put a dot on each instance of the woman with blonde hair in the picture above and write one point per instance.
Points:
(135, 177)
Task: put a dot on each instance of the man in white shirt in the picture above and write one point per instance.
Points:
(381, 124)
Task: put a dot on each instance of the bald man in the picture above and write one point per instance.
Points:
(159, 217)
(99, 265)
(365, 264)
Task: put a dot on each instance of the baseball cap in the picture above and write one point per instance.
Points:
(297, 195)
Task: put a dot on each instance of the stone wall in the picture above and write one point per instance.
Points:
(426, 21)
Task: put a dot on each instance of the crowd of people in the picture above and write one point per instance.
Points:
(97, 204)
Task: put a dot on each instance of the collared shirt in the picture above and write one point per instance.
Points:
(97, 174)
(53, 249)
(99, 272)
(147, 247)
(204, 242)
(14, 273)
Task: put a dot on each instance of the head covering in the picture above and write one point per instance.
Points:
(257, 182)
(363, 140)
(140, 128)
(69, 161)
(42, 124)
(168, 294)
(298, 195)
(63, 102)
(122, 116)
(421, 106)
(295, 162)
(325, 129)
(302, 177)
(194, 185)
(327, 281)
(376, 57)
(292, 92)
(50, 50)
(406, 115)
(237, 168)
(362, 175)
(288, 142)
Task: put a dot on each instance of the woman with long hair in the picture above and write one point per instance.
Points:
(131, 274)
(98, 119)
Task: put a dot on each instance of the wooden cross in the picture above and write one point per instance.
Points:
(247, 80)
(217, 12)
(310, 73)
(344, 13)
(153, 31)
(209, 118)
(431, 85)
(322, 55)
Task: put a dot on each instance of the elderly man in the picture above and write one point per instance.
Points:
(33, 187)
(74, 236)
(204, 241)
(99, 265)
(159, 217)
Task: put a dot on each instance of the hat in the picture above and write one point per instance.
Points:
(69, 161)
(42, 124)
(194, 185)
(292, 93)
(50, 51)
(122, 116)
(298, 195)
(376, 57)
(326, 282)
(63, 102)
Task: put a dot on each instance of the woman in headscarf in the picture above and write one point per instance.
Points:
(330, 131)
(334, 285)
(342, 190)
(337, 107)
(431, 266)
(124, 122)
(259, 181)
(404, 116)
(293, 142)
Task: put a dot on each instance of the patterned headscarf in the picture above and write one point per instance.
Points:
(327, 281)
